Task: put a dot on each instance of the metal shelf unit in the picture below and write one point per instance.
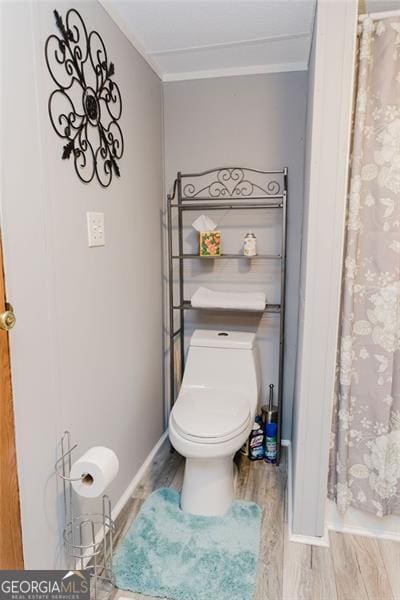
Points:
(225, 188)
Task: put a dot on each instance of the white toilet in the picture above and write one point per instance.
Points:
(213, 416)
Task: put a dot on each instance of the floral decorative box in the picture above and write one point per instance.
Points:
(210, 243)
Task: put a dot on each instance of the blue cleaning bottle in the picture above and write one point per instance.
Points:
(271, 439)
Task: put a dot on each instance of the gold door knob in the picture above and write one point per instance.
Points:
(7, 318)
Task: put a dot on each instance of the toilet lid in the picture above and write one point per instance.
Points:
(211, 414)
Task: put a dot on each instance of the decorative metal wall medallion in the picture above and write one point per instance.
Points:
(86, 106)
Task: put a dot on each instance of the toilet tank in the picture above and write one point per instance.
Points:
(223, 359)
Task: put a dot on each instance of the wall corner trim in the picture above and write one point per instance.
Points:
(329, 131)
(311, 540)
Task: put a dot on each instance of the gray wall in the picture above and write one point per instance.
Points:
(254, 121)
(87, 348)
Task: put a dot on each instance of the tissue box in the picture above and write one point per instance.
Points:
(210, 243)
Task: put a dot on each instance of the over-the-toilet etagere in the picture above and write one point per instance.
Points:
(224, 188)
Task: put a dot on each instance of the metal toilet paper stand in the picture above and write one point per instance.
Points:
(88, 537)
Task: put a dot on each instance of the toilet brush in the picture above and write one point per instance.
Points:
(269, 411)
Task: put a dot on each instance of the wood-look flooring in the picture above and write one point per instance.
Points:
(353, 568)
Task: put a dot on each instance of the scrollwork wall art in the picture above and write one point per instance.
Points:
(86, 106)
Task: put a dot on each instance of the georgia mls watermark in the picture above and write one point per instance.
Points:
(44, 585)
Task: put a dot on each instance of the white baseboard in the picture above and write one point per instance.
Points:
(295, 537)
(131, 487)
(129, 490)
(356, 522)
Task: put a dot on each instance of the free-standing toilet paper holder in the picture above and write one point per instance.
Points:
(88, 537)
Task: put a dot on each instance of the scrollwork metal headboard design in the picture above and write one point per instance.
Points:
(86, 106)
(232, 182)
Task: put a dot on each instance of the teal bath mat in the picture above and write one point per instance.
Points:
(172, 554)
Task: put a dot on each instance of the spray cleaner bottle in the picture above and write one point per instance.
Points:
(256, 442)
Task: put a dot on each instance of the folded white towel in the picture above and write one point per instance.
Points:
(205, 298)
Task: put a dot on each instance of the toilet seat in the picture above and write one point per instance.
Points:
(210, 416)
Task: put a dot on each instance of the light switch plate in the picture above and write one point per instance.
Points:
(95, 224)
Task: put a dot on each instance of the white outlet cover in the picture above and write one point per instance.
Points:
(95, 225)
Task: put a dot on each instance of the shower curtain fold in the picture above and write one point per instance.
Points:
(365, 450)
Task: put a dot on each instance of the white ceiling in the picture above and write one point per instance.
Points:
(191, 39)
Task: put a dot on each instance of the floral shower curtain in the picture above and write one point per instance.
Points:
(365, 449)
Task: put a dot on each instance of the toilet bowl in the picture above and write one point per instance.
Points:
(213, 416)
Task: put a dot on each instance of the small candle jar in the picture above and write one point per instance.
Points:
(250, 244)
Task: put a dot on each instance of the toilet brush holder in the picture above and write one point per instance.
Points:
(269, 412)
(269, 415)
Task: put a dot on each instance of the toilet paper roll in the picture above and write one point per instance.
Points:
(96, 470)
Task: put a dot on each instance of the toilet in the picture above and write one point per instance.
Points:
(213, 416)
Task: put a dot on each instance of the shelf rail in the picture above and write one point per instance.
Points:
(223, 188)
(230, 256)
(225, 206)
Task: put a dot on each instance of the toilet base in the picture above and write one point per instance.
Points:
(208, 486)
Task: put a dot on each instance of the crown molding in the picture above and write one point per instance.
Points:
(236, 71)
(244, 42)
